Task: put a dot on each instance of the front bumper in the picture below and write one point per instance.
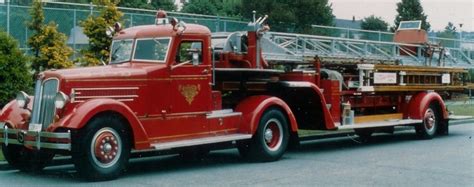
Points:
(38, 140)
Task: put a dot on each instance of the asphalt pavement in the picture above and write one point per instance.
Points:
(400, 159)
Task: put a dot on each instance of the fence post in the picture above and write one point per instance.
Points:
(217, 23)
(225, 26)
(380, 36)
(8, 16)
(91, 8)
(131, 19)
(74, 33)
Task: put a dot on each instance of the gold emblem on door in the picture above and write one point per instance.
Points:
(189, 91)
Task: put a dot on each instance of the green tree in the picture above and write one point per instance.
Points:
(449, 32)
(143, 4)
(14, 74)
(374, 23)
(311, 12)
(410, 10)
(95, 27)
(229, 9)
(54, 53)
(288, 16)
(206, 7)
(47, 44)
(163, 4)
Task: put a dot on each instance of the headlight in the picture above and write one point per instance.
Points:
(22, 99)
(60, 100)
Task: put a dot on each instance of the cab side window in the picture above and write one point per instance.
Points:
(189, 51)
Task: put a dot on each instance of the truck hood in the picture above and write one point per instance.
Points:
(120, 71)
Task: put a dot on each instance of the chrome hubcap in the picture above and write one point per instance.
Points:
(272, 136)
(268, 135)
(430, 119)
(106, 147)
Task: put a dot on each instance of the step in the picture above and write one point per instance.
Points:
(222, 114)
(458, 117)
(200, 141)
(387, 123)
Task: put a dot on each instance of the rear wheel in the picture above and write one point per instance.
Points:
(364, 134)
(102, 149)
(25, 159)
(270, 140)
(431, 119)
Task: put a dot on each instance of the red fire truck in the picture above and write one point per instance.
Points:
(167, 87)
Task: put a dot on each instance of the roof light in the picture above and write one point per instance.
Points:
(161, 17)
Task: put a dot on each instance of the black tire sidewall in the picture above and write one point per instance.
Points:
(82, 155)
(421, 129)
(25, 159)
(258, 147)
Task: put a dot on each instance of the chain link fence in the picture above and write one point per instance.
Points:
(380, 36)
(69, 15)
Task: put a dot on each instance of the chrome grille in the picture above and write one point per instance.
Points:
(43, 105)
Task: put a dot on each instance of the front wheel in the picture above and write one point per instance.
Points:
(270, 140)
(431, 118)
(102, 149)
(24, 159)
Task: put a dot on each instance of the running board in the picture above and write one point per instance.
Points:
(200, 141)
(381, 124)
(456, 117)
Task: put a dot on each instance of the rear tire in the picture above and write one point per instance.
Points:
(25, 159)
(269, 141)
(364, 134)
(101, 150)
(431, 119)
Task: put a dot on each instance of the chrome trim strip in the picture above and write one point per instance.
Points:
(111, 88)
(381, 124)
(37, 135)
(201, 141)
(123, 100)
(223, 115)
(105, 96)
(61, 146)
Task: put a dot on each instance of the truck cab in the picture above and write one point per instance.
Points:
(156, 94)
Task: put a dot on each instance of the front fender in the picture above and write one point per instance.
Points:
(253, 107)
(84, 112)
(421, 101)
(16, 117)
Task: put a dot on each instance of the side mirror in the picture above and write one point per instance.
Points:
(195, 58)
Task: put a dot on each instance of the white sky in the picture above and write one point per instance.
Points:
(439, 12)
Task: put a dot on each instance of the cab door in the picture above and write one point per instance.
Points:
(190, 90)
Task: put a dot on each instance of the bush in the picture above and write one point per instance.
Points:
(14, 73)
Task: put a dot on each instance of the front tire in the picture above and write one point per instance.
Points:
(25, 159)
(102, 149)
(431, 119)
(270, 140)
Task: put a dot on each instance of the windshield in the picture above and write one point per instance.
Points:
(154, 49)
(121, 51)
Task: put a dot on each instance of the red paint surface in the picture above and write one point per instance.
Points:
(421, 101)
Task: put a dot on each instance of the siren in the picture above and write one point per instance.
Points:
(161, 17)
